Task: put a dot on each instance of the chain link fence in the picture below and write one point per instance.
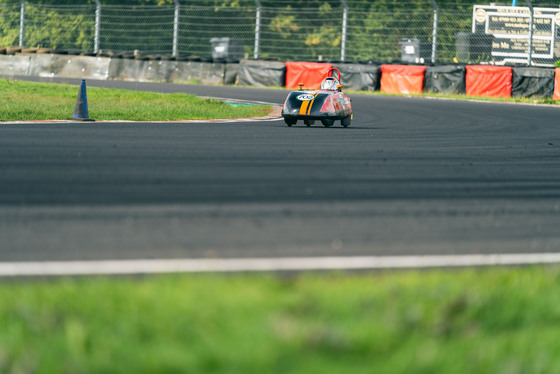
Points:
(429, 31)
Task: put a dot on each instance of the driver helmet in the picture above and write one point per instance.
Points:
(329, 83)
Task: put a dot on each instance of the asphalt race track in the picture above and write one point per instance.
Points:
(411, 176)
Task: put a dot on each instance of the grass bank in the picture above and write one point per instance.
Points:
(25, 101)
(499, 320)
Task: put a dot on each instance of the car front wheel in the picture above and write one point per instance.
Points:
(290, 122)
(327, 122)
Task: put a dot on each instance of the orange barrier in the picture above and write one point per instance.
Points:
(556, 95)
(402, 79)
(485, 80)
(311, 74)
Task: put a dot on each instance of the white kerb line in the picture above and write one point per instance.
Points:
(108, 267)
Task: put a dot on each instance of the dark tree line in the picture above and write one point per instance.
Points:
(290, 29)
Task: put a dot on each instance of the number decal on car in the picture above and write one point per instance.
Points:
(305, 97)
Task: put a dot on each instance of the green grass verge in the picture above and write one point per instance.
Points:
(24, 101)
(498, 320)
(525, 100)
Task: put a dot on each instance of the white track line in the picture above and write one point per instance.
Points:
(11, 269)
(233, 120)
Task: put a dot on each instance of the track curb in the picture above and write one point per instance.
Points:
(234, 265)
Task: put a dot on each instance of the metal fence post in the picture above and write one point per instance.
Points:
(530, 57)
(97, 26)
(344, 27)
(21, 23)
(434, 32)
(257, 29)
(176, 28)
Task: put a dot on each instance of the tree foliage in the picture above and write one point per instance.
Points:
(290, 29)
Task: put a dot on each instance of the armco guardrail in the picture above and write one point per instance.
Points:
(475, 80)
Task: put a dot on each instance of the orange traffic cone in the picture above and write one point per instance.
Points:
(81, 108)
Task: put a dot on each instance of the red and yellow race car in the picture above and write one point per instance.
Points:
(327, 104)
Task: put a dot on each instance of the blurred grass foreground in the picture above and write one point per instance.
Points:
(487, 320)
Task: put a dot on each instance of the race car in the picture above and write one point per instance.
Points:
(327, 104)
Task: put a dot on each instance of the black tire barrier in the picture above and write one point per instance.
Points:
(527, 82)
